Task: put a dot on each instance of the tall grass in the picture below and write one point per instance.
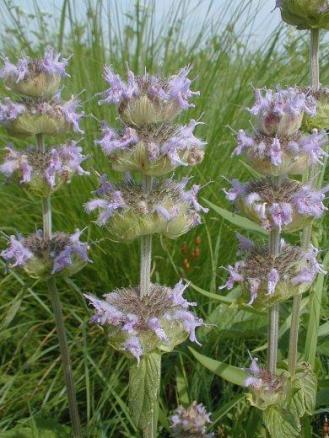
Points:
(225, 69)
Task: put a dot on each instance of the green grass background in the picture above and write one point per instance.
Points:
(226, 68)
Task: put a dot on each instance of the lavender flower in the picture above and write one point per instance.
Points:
(267, 389)
(269, 279)
(284, 205)
(40, 257)
(40, 117)
(280, 156)
(10, 110)
(148, 99)
(153, 151)
(129, 213)
(190, 422)
(35, 77)
(44, 170)
(281, 112)
(139, 325)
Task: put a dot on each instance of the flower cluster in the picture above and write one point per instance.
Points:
(156, 150)
(267, 389)
(139, 325)
(44, 171)
(321, 119)
(40, 117)
(190, 422)
(40, 257)
(35, 77)
(165, 97)
(284, 204)
(129, 212)
(266, 279)
(277, 146)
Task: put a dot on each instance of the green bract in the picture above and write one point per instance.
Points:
(305, 14)
(38, 85)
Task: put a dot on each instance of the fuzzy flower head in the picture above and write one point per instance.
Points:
(144, 100)
(128, 212)
(266, 280)
(64, 254)
(266, 389)
(285, 205)
(40, 117)
(44, 172)
(190, 422)
(154, 150)
(305, 14)
(139, 325)
(35, 77)
(282, 156)
(280, 113)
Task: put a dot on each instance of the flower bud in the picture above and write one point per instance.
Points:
(281, 156)
(140, 325)
(154, 150)
(285, 205)
(43, 172)
(190, 422)
(35, 77)
(32, 118)
(266, 389)
(305, 14)
(321, 120)
(39, 257)
(147, 99)
(266, 280)
(129, 212)
(280, 113)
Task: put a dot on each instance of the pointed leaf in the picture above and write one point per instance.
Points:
(225, 371)
(281, 423)
(235, 219)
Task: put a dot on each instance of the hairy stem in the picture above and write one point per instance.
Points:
(146, 249)
(273, 331)
(307, 231)
(58, 314)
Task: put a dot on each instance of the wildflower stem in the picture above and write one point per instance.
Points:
(315, 69)
(307, 231)
(58, 314)
(274, 311)
(146, 249)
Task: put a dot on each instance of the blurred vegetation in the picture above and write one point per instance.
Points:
(226, 67)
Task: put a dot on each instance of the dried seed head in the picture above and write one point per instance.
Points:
(35, 77)
(147, 99)
(190, 422)
(153, 149)
(267, 280)
(139, 325)
(64, 254)
(284, 204)
(129, 212)
(305, 14)
(44, 172)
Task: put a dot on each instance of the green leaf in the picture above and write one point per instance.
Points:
(324, 329)
(281, 423)
(304, 387)
(38, 428)
(225, 371)
(235, 219)
(144, 385)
